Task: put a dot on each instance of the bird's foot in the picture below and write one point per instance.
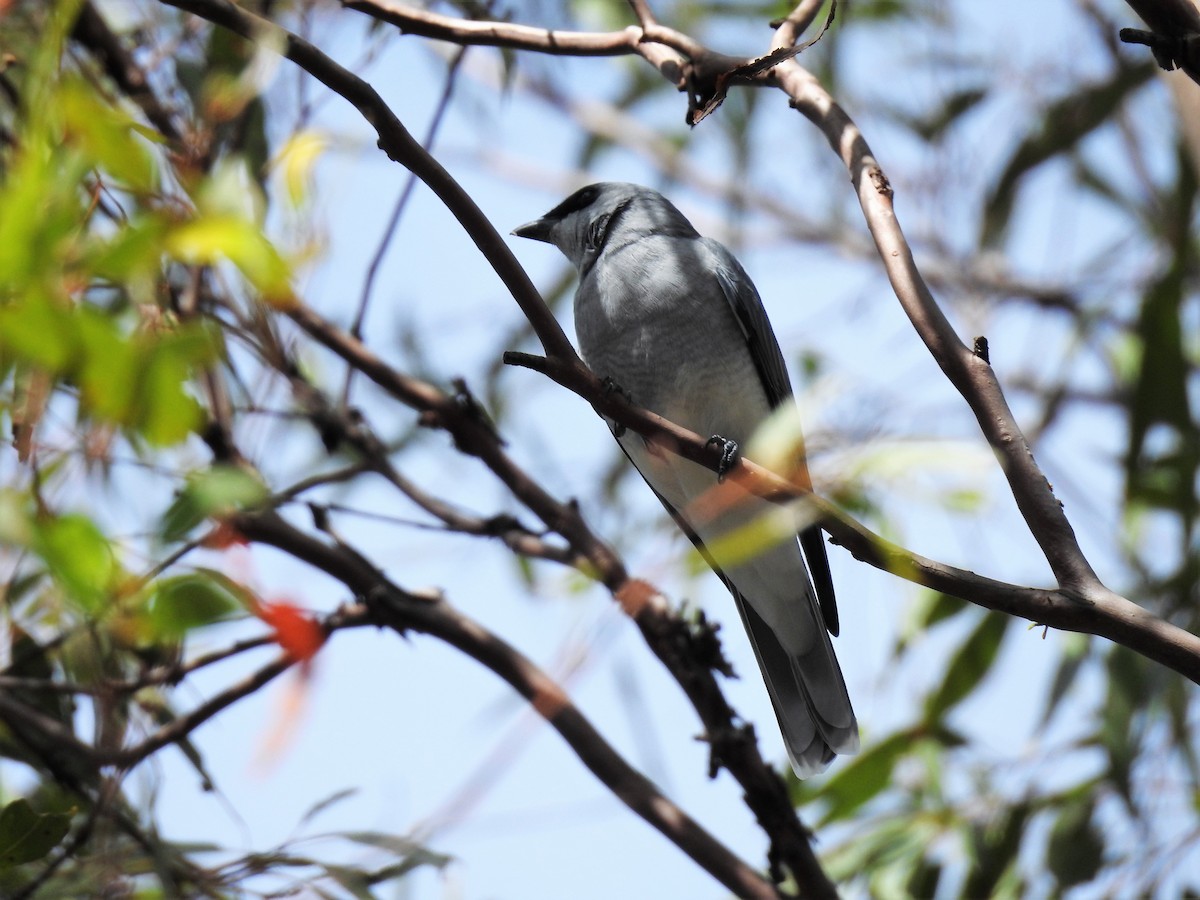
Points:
(611, 387)
(729, 454)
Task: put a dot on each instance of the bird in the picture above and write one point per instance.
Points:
(671, 320)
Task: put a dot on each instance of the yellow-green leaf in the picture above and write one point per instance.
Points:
(217, 491)
(296, 162)
(79, 557)
(210, 239)
(106, 136)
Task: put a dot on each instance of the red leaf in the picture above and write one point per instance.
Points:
(298, 633)
(223, 536)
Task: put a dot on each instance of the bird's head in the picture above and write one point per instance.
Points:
(587, 221)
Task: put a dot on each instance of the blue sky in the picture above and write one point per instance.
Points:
(407, 722)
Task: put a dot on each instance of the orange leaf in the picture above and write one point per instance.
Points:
(288, 717)
(223, 536)
(298, 633)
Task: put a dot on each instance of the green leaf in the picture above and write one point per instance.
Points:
(135, 381)
(1074, 653)
(935, 608)
(1164, 442)
(1065, 123)
(1128, 689)
(106, 136)
(1075, 850)
(321, 805)
(741, 544)
(356, 881)
(166, 413)
(882, 855)
(39, 331)
(994, 848)
(923, 881)
(218, 491)
(16, 525)
(969, 666)
(107, 366)
(131, 257)
(297, 162)
(184, 602)
(41, 208)
(934, 125)
(26, 836)
(79, 557)
(399, 846)
(866, 776)
(410, 854)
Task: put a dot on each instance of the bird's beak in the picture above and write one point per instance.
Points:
(537, 230)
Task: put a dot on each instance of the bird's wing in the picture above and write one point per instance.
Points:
(751, 316)
(806, 689)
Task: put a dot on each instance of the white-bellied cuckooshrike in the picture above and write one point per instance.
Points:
(673, 319)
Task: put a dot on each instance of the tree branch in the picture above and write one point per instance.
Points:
(387, 604)
(400, 146)
(1095, 610)
(182, 726)
(1082, 603)
(650, 40)
(971, 376)
(667, 636)
(766, 793)
(1174, 34)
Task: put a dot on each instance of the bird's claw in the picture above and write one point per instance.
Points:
(611, 387)
(729, 454)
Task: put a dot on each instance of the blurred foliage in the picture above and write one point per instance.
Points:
(134, 265)
(117, 246)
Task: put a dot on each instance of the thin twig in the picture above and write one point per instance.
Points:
(389, 231)
(183, 725)
(401, 146)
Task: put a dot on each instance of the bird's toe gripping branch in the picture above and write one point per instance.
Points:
(729, 454)
(611, 387)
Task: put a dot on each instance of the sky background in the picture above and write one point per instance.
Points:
(435, 747)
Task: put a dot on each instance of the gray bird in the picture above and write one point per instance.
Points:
(674, 321)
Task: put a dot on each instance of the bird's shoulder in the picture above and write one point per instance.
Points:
(663, 262)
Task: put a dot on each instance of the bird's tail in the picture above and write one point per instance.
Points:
(808, 693)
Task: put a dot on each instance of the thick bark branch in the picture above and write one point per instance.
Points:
(972, 376)
(1081, 604)
(1094, 610)
(766, 793)
(1174, 33)
(386, 604)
